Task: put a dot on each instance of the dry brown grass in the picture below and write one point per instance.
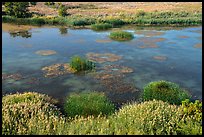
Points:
(111, 8)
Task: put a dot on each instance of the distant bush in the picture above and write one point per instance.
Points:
(115, 22)
(81, 64)
(28, 113)
(17, 9)
(101, 26)
(88, 103)
(165, 91)
(62, 11)
(121, 35)
(49, 3)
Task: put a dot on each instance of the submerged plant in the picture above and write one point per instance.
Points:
(165, 91)
(81, 64)
(121, 35)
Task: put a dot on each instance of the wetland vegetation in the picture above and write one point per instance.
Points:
(140, 79)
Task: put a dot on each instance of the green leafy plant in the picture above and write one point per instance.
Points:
(81, 64)
(88, 103)
(166, 91)
(62, 11)
(17, 9)
(115, 22)
(101, 26)
(121, 35)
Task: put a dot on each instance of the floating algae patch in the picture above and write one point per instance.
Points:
(111, 71)
(161, 58)
(149, 42)
(183, 37)
(57, 70)
(45, 52)
(103, 40)
(199, 45)
(149, 33)
(101, 58)
(15, 76)
(117, 69)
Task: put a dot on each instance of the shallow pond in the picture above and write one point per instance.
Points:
(123, 68)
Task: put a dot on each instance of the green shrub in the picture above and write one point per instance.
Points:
(157, 118)
(62, 11)
(147, 118)
(88, 103)
(81, 64)
(115, 22)
(192, 109)
(166, 91)
(17, 9)
(79, 22)
(101, 26)
(28, 113)
(121, 35)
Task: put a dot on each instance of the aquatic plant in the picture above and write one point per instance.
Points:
(57, 70)
(121, 35)
(81, 64)
(101, 26)
(165, 91)
(88, 103)
(101, 58)
(45, 52)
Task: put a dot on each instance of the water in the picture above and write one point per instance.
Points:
(170, 55)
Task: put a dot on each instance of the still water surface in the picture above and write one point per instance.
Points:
(173, 54)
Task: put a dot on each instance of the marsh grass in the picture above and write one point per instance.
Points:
(88, 103)
(81, 64)
(32, 114)
(181, 18)
(121, 35)
(101, 26)
(165, 91)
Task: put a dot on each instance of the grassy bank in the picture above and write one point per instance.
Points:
(141, 18)
(34, 113)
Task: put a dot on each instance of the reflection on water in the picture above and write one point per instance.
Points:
(23, 34)
(63, 31)
(154, 54)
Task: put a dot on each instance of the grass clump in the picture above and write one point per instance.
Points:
(88, 103)
(28, 113)
(156, 118)
(165, 91)
(121, 35)
(101, 26)
(81, 64)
